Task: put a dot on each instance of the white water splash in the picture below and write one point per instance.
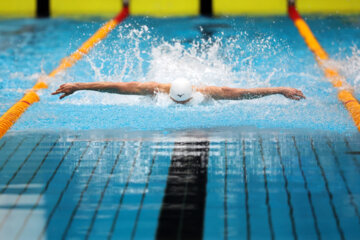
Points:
(138, 55)
(350, 68)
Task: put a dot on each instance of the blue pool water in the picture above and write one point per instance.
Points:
(237, 184)
(103, 166)
(236, 52)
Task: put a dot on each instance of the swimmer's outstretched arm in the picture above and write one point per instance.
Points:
(127, 88)
(227, 93)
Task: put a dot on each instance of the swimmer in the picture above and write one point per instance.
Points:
(180, 91)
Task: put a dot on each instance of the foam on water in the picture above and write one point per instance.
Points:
(216, 61)
(350, 68)
(240, 53)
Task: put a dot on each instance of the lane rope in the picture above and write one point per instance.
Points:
(8, 119)
(344, 95)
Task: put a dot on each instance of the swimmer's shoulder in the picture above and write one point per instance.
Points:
(151, 88)
(160, 87)
(207, 91)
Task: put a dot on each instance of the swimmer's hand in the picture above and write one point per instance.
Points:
(67, 89)
(292, 93)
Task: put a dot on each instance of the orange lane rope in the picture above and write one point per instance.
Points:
(13, 114)
(344, 95)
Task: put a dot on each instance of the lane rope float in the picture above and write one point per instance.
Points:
(8, 119)
(338, 81)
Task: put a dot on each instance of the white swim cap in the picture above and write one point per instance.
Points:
(181, 90)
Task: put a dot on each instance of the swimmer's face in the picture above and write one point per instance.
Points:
(181, 102)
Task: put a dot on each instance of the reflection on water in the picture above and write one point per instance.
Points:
(216, 184)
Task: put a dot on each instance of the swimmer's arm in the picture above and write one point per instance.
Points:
(227, 93)
(126, 88)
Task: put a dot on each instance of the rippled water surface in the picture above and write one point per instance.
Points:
(235, 52)
(149, 168)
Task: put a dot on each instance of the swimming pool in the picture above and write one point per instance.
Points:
(241, 52)
(100, 166)
(188, 184)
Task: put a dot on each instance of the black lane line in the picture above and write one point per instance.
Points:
(288, 194)
(143, 196)
(206, 8)
(245, 179)
(353, 158)
(183, 206)
(83, 192)
(112, 229)
(225, 195)
(338, 225)
(64, 189)
(103, 192)
(353, 153)
(27, 185)
(316, 225)
(352, 202)
(21, 166)
(267, 199)
(12, 154)
(42, 8)
(18, 234)
(1, 147)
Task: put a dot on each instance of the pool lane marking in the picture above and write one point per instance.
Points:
(4, 143)
(245, 179)
(337, 220)
(113, 225)
(88, 232)
(133, 233)
(12, 154)
(341, 171)
(27, 185)
(183, 205)
(316, 225)
(338, 81)
(226, 231)
(288, 194)
(206, 7)
(21, 166)
(65, 188)
(267, 199)
(68, 225)
(88, 45)
(10, 116)
(354, 159)
(353, 153)
(42, 8)
(13, 114)
(43, 191)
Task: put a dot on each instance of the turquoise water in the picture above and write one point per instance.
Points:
(236, 52)
(233, 184)
(103, 166)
